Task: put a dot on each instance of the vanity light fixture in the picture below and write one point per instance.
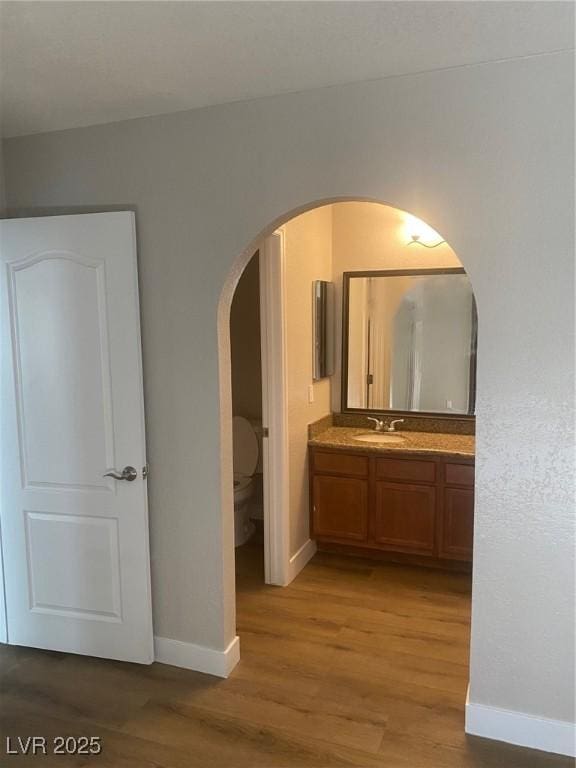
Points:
(416, 239)
(420, 233)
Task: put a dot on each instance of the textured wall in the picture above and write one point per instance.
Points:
(484, 154)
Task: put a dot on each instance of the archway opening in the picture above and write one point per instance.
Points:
(404, 501)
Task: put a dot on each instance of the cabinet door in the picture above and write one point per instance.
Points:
(457, 524)
(404, 518)
(340, 508)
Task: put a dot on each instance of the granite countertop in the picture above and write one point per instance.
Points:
(341, 438)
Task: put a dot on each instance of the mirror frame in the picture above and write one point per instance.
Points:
(346, 276)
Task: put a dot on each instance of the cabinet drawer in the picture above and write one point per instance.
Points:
(407, 470)
(459, 474)
(340, 464)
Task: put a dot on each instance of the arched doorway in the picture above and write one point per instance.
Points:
(420, 255)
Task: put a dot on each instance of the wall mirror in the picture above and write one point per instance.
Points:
(409, 342)
(322, 329)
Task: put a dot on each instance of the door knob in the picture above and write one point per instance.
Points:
(128, 473)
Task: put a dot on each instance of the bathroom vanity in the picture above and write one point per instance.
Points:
(409, 358)
(410, 500)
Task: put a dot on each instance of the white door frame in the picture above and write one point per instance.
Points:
(274, 410)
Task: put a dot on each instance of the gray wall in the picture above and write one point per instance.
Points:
(482, 153)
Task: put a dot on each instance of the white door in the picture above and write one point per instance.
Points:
(74, 539)
(274, 415)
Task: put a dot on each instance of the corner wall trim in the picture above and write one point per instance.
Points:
(299, 560)
(197, 657)
(555, 736)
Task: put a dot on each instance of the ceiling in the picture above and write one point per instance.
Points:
(69, 64)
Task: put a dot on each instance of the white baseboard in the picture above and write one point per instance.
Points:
(555, 736)
(197, 657)
(299, 560)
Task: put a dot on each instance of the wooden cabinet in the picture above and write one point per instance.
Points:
(340, 464)
(404, 517)
(457, 524)
(406, 470)
(340, 508)
(401, 506)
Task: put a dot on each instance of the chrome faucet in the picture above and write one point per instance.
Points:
(380, 426)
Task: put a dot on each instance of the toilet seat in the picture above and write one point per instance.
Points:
(245, 447)
(241, 482)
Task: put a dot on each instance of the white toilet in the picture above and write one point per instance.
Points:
(246, 453)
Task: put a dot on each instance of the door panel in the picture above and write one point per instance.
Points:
(89, 545)
(75, 543)
(61, 358)
(458, 524)
(340, 508)
(404, 517)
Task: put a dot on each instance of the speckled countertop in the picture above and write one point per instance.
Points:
(342, 438)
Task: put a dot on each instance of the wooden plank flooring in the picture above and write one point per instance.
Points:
(354, 664)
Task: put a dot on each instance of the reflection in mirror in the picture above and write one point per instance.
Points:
(410, 342)
(322, 329)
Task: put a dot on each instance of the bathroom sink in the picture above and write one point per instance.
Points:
(378, 437)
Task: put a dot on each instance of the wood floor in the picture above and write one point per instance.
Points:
(354, 664)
